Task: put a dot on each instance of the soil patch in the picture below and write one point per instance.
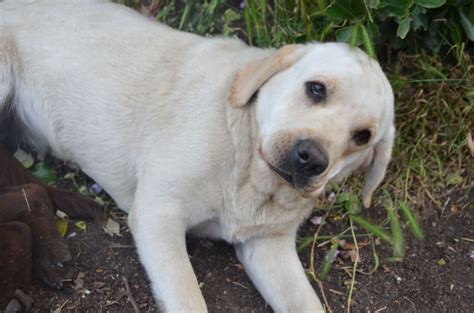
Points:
(422, 283)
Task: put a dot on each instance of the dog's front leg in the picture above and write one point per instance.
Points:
(274, 267)
(160, 240)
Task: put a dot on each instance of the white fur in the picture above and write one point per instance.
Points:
(143, 110)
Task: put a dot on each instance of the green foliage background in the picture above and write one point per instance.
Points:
(381, 27)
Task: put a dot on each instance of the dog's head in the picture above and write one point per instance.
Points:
(323, 110)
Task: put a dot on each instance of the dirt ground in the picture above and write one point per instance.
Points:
(106, 275)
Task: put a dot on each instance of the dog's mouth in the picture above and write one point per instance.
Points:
(309, 187)
(287, 177)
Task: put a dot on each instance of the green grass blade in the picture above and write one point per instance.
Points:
(368, 44)
(248, 25)
(185, 15)
(397, 235)
(328, 260)
(305, 243)
(415, 226)
(354, 35)
(374, 229)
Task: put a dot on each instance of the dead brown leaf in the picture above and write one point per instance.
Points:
(351, 246)
(354, 256)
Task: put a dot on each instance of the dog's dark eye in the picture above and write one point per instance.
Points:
(316, 91)
(362, 137)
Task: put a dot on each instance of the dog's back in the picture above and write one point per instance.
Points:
(106, 77)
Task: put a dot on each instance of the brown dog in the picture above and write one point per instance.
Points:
(29, 240)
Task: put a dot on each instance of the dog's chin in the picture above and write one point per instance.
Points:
(306, 187)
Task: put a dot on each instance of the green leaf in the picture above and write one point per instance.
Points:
(321, 5)
(307, 241)
(403, 27)
(399, 8)
(397, 235)
(430, 4)
(353, 205)
(343, 34)
(412, 221)
(328, 260)
(368, 44)
(419, 18)
(374, 4)
(353, 42)
(343, 197)
(341, 10)
(374, 229)
(350, 202)
(468, 26)
(45, 173)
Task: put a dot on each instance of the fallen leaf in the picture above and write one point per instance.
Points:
(80, 225)
(316, 220)
(61, 226)
(79, 281)
(24, 158)
(441, 262)
(241, 267)
(99, 201)
(60, 214)
(119, 295)
(69, 176)
(73, 234)
(335, 217)
(112, 228)
(354, 256)
(351, 246)
(454, 209)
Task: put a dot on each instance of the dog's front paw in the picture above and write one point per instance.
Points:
(50, 259)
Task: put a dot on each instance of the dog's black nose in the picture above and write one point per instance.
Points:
(309, 158)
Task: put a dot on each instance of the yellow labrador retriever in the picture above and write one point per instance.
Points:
(197, 135)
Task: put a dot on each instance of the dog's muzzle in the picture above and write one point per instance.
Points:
(303, 163)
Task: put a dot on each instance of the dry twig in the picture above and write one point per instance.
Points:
(130, 296)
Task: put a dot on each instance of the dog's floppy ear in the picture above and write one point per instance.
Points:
(380, 159)
(254, 74)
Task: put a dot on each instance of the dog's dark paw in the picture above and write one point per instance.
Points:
(20, 303)
(50, 261)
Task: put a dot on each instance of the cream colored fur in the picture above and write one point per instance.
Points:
(180, 129)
